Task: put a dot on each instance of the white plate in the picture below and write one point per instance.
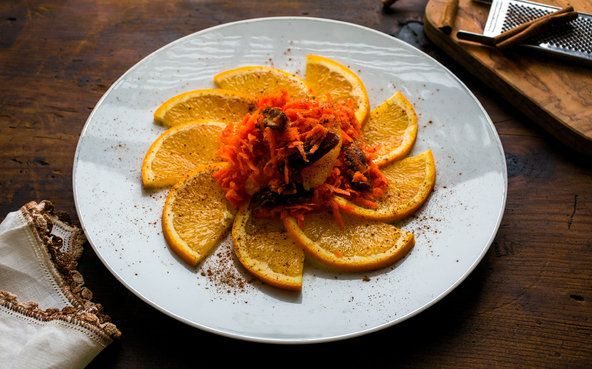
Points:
(453, 231)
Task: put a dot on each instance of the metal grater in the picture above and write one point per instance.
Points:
(572, 40)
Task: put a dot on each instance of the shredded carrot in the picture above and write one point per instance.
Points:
(359, 177)
(262, 158)
(337, 214)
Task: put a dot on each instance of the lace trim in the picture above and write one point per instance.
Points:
(42, 218)
(87, 320)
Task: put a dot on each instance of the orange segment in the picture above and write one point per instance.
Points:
(209, 104)
(179, 150)
(410, 182)
(196, 216)
(261, 80)
(325, 76)
(360, 246)
(265, 249)
(392, 128)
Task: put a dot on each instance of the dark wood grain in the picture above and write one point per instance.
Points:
(528, 303)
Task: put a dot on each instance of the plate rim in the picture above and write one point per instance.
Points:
(253, 338)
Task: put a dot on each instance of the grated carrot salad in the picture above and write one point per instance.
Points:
(267, 150)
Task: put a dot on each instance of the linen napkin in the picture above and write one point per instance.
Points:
(47, 318)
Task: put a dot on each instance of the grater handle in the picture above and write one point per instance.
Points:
(475, 37)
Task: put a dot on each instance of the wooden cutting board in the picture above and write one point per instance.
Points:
(557, 95)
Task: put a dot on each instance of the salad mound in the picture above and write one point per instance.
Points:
(291, 156)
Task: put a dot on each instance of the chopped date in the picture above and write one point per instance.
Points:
(295, 159)
(355, 161)
(269, 199)
(274, 118)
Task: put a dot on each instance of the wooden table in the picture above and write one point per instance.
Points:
(528, 303)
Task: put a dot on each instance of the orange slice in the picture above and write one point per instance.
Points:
(196, 216)
(265, 249)
(261, 80)
(392, 128)
(325, 76)
(209, 104)
(410, 182)
(179, 150)
(361, 245)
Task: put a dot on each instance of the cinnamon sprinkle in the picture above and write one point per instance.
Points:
(223, 272)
